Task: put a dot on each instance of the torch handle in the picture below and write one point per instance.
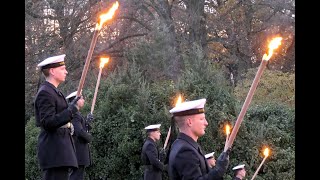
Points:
(246, 104)
(225, 145)
(96, 91)
(167, 138)
(86, 65)
(255, 173)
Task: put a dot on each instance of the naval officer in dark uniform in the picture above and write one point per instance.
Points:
(55, 148)
(186, 158)
(153, 167)
(82, 138)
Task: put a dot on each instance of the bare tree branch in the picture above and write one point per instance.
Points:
(122, 39)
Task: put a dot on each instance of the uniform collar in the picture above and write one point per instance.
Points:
(52, 86)
(188, 139)
(150, 139)
(55, 89)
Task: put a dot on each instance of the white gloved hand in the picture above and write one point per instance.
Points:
(71, 129)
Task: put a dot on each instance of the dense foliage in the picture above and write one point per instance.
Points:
(233, 34)
(272, 126)
(126, 103)
(274, 86)
(159, 49)
(32, 170)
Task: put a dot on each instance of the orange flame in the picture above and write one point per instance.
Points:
(108, 15)
(103, 61)
(179, 101)
(227, 129)
(266, 152)
(274, 44)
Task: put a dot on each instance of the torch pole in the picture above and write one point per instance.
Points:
(86, 65)
(167, 138)
(225, 145)
(255, 174)
(246, 104)
(96, 91)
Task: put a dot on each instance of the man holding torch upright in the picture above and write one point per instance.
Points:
(55, 149)
(186, 159)
(153, 166)
(81, 138)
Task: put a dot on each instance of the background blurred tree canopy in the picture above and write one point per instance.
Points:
(201, 49)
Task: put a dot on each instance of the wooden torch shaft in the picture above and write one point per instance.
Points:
(86, 65)
(167, 138)
(96, 91)
(246, 104)
(255, 174)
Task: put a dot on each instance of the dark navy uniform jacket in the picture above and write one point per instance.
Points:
(55, 146)
(81, 140)
(187, 161)
(150, 158)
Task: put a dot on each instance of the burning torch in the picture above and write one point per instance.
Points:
(103, 19)
(179, 101)
(273, 45)
(103, 61)
(266, 154)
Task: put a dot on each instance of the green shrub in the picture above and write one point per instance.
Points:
(126, 103)
(32, 170)
(269, 125)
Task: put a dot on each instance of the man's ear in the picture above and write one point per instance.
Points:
(189, 121)
(51, 71)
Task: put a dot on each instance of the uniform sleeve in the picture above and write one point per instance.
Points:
(49, 118)
(79, 130)
(216, 173)
(188, 164)
(221, 165)
(152, 154)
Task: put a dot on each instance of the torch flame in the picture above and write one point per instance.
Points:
(108, 15)
(103, 61)
(274, 44)
(179, 101)
(266, 152)
(227, 129)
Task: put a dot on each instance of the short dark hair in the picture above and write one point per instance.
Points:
(45, 72)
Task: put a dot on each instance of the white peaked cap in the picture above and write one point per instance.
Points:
(153, 126)
(209, 155)
(189, 107)
(238, 167)
(71, 95)
(54, 60)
